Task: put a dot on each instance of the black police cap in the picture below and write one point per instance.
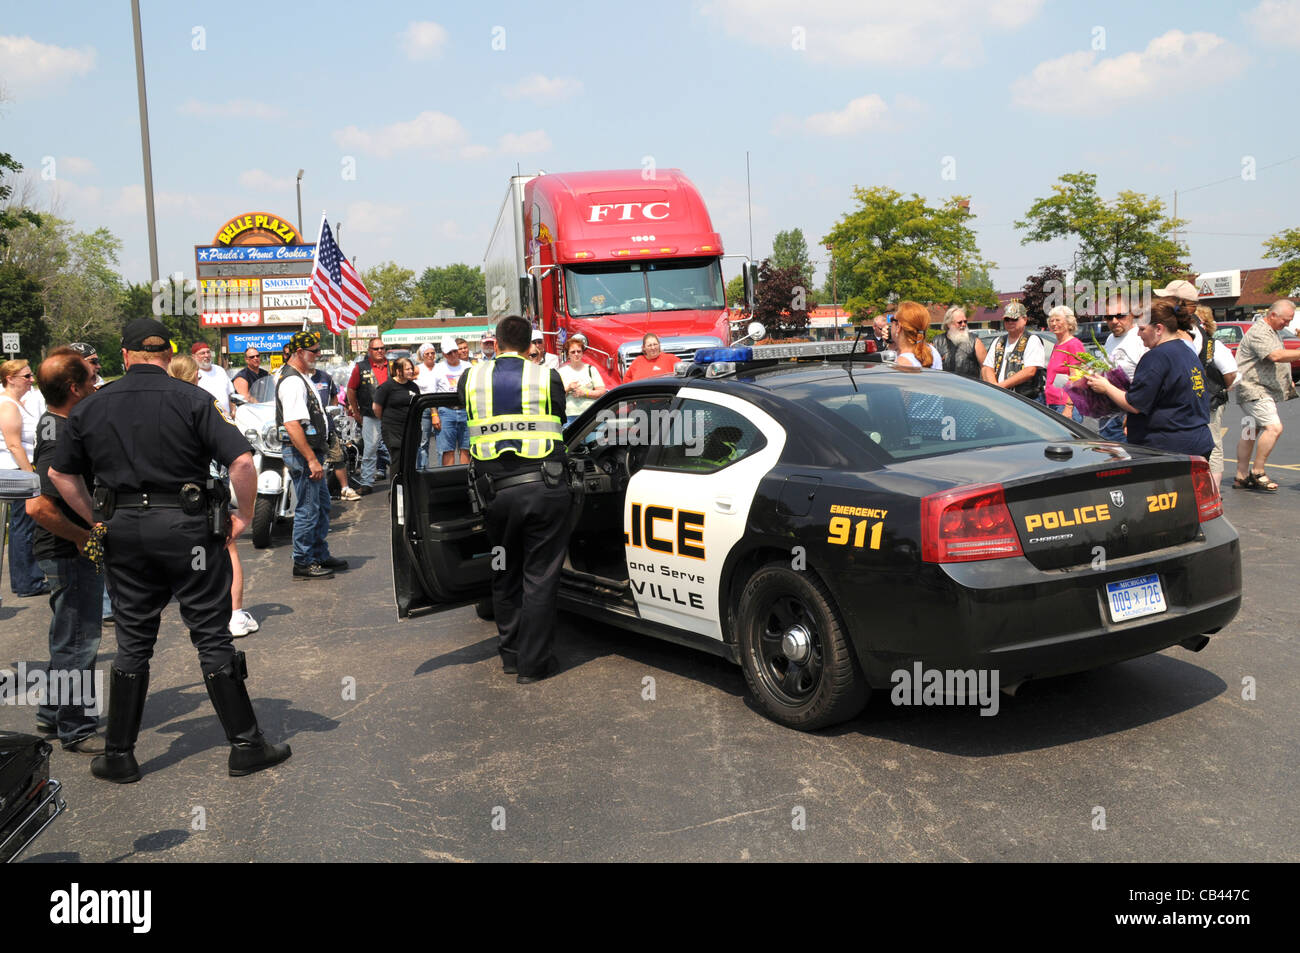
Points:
(133, 336)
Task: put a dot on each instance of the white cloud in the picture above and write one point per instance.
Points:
(873, 32)
(26, 66)
(522, 143)
(861, 115)
(260, 180)
(422, 40)
(75, 165)
(372, 217)
(430, 131)
(1276, 22)
(1083, 82)
(543, 89)
(234, 109)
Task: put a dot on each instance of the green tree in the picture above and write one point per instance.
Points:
(80, 286)
(1284, 246)
(457, 286)
(393, 295)
(10, 217)
(790, 250)
(736, 293)
(892, 248)
(1119, 241)
(23, 311)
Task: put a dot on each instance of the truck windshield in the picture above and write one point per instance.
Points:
(683, 284)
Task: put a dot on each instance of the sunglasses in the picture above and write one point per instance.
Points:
(312, 350)
(28, 375)
(93, 360)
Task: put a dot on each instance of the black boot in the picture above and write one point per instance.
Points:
(251, 751)
(125, 709)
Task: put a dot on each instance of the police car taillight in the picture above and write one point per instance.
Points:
(1209, 504)
(968, 523)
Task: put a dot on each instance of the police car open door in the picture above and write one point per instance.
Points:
(689, 506)
(441, 556)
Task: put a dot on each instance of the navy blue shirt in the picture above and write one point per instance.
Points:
(1168, 390)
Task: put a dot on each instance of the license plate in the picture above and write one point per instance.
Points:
(1134, 598)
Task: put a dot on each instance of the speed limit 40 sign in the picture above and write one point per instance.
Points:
(10, 343)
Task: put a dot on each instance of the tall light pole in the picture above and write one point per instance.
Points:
(144, 142)
(300, 172)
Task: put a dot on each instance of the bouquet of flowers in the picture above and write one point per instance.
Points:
(1088, 401)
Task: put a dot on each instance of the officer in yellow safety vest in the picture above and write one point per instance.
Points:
(519, 475)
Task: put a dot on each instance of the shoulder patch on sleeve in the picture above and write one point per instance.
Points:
(224, 416)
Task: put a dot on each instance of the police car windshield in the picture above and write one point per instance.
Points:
(910, 415)
(684, 284)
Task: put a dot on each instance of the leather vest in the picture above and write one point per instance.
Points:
(958, 359)
(366, 387)
(1032, 388)
(317, 429)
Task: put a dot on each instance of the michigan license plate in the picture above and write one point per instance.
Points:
(1134, 598)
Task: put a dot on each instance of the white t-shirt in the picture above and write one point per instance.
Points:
(215, 381)
(909, 359)
(293, 399)
(1126, 350)
(446, 377)
(1035, 356)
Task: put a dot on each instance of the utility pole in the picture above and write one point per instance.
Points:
(144, 142)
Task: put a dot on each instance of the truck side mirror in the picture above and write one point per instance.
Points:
(525, 295)
(750, 271)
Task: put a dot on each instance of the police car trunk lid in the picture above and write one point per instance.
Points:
(1099, 501)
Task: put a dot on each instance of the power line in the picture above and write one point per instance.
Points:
(1237, 177)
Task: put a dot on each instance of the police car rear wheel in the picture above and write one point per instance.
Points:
(795, 653)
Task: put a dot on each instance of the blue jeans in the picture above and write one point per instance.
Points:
(311, 516)
(76, 595)
(426, 435)
(454, 434)
(1112, 428)
(1073, 414)
(25, 576)
(371, 439)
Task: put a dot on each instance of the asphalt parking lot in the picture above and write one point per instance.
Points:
(436, 755)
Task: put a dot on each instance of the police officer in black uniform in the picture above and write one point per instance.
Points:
(147, 439)
(518, 473)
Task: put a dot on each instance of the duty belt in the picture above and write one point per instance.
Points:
(147, 500)
(505, 483)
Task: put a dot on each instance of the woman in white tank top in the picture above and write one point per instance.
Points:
(16, 421)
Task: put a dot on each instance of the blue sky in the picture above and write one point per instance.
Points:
(434, 104)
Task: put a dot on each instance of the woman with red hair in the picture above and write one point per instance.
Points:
(910, 322)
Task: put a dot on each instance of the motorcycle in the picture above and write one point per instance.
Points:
(276, 499)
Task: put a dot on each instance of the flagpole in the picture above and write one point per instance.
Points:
(315, 263)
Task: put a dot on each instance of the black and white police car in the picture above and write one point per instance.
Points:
(825, 524)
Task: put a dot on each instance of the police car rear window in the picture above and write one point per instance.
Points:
(912, 415)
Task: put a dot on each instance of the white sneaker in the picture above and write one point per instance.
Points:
(347, 493)
(238, 625)
(249, 620)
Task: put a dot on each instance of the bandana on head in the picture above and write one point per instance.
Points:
(303, 340)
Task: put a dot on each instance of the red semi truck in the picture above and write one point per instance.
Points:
(611, 255)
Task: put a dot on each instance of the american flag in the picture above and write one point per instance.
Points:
(336, 287)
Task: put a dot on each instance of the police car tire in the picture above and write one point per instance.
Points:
(840, 691)
(263, 521)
